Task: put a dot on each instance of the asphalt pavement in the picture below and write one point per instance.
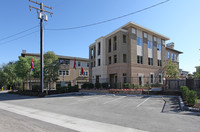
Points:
(88, 112)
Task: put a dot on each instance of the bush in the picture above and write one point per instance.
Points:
(192, 98)
(105, 85)
(36, 88)
(136, 86)
(61, 89)
(128, 85)
(73, 89)
(97, 85)
(156, 85)
(184, 91)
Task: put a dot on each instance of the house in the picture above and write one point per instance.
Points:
(131, 54)
(67, 74)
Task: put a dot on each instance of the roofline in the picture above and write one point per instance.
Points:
(132, 24)
(174, 50)
(59, 56)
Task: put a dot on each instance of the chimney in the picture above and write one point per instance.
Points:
(170, 45)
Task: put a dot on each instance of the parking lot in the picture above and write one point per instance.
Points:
(103, 112)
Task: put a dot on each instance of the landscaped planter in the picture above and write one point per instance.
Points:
(126, 91)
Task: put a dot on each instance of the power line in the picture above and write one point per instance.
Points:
(18, 38)
(101, 22)
(19, 33)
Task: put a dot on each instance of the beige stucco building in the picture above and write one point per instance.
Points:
(66, 72)
(132, 54)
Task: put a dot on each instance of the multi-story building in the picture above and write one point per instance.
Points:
(66, 72)
(132, 54)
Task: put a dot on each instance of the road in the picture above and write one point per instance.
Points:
(94, 113)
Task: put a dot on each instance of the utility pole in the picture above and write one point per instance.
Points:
(42, 16)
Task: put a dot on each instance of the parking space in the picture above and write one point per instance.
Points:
(148, 113)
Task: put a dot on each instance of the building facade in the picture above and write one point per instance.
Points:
(67, 74)
(130, 54)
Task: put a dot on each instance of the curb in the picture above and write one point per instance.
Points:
(186, 108)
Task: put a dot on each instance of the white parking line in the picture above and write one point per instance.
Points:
(114, 100)
(69, 122)
(90, 98)
(142, 102)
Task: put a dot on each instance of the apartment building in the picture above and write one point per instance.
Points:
(132, 54)
(67, 74)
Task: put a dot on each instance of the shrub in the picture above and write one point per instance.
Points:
(128, 85)
(36, 88)
(184, 91)
(192, 98)
(105, 85)
(61, 89)
(97, 85)
(73, 89)
(156, 85)
(136, 86)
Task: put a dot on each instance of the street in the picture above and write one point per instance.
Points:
(87, 112)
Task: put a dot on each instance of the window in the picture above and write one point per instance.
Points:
(159, 47)
(139, 41)
(87, 64)
(109, 60)
(150, 61)
(67, 72)
(124, 77)
(124, 58)
(92, 53)
(133, 30)
(79, 63)
(160, 78)
(175, 59)
(163, 41)
(150, 46)
(159, 62)
(60, 73)
(99, 62)
(145, 35)
(154, 38)
(168, 55)
(64, 61)
(91, 64)
(124, 38)
(115, 43)
(63, 73)
(99, 48)
(94, 63)
(172, 56)
(152, 78)
(86, 73)
(115, 58)
(140, 59)
(109, 45)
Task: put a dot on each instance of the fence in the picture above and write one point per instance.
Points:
(118, 83)
(175, 84)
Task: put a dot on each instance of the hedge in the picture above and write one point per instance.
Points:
(189, 95)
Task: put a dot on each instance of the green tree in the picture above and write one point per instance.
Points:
(197, 73)
(171, 70)
(51, 67)
(8, 76)
(23, 68)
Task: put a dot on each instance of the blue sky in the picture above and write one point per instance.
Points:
(177, 19)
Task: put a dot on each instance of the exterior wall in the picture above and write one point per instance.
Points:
(131, 69)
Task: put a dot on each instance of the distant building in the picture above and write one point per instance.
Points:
(67, 73)
(131, 54)
(183, 74)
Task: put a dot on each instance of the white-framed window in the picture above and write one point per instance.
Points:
(175, 58)
(87, 64)
(154, 38)
(152, 78)
(163, 41)
(133, 30)
(145, 35)
(139, 41)
(168, 55)
(63, 72)
(150, 45)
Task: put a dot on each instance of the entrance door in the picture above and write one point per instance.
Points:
(97, 79)
(140, 81)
